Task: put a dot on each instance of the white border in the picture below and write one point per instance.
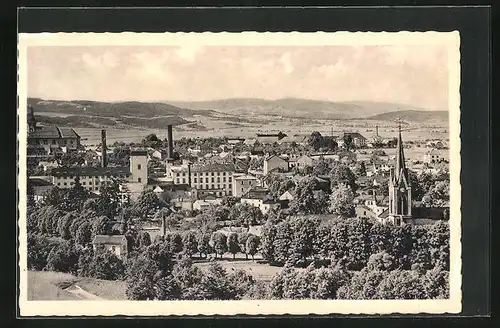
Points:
(265, 307)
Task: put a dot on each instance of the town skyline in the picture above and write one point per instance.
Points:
(187, 74)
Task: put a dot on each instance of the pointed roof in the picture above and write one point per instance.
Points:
(400, 170)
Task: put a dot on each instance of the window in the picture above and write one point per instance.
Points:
(212, 179)
(53, 141)
(218, 186)
(241, 189)
(139, 179)
(138, 166)
(218, 173)
(58, 183)
(45, 141)
(183, 180)
(218, 179)
(195, 180)
(65, 183)
(183, 174)
(224, 179)
(230, 179)
(84, 183)
(213, 173)
(96, 188)
(71, 141)
(213, 187)
(206, 180)
(177, 174)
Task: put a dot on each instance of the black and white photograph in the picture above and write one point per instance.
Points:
(239, 173)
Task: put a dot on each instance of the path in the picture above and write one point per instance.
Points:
(81, 293)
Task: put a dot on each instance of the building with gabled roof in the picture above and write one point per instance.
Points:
(258, 196)
(116, 244)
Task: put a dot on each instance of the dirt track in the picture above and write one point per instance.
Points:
(81, 293)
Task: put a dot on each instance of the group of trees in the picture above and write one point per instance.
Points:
(378, 280)
(217, 243)
(298, 240)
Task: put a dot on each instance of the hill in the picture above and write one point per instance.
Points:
(293, 107)
(413, 116)
(113, 109)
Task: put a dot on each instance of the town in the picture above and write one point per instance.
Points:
(348, 203)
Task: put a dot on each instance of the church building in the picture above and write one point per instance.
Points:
(402, 210)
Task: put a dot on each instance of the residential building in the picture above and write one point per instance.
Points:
(92, 178)
(241, 184)
(301, 162)
(116, 244)
(358, 140)
(433, 156)
(269, 138)
(275, 162)
(208, 178)
(206, 202)
(258, 197)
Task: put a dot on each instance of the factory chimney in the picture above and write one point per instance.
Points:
(376, 129)
(170, 142)
(104, 149)
(189, 174)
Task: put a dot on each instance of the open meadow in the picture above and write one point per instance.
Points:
(52, 286)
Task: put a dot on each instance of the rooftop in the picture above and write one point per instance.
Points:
(110, 240)
(90, 171)
(53, 132)
(37, 182)
(245, 177)
(256, 193)
(213, 167)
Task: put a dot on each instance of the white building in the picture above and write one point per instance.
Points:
(258, 197)
(206, 203)
(433, 156)
(275, 163)
(241, 184)
(115, 244)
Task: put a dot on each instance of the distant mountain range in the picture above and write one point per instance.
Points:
(241, 107)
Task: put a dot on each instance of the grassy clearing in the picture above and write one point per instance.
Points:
(259, 271)
(44, 286)
(47, 285)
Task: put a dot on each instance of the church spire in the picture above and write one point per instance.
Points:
(400, 167)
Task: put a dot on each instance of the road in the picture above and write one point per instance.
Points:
(81, 293)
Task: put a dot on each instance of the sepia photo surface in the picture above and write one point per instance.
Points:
(239, 173)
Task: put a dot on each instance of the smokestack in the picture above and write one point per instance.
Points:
(170, 142)
(376, 129)
(189, 174)
(104, 149)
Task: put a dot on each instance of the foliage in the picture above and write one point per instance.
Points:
(219, 242)
(341, 201)
(252, 245)
(189, 242)
(63, 257)
(233, 246)
(342, 174)
(147, 204)
(204, 247)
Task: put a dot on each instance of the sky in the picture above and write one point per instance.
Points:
(413, 75)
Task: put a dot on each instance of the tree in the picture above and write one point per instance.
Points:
(348, 142)
(63, 258)
(361, 169)
(252, 245)
(144, 239)
(100, 226)
(315, 140)
(53, 197)
(64, 225)
(174, 241)
(268, 237)
(216, 285)
(74, 199)
(381, 261)
(321, 167)
(341, 201)
(83, 233)
(342, 174)
(39, 248)
(189, 242)
(242, 242)
(219, 242)
(232, 244)
(204, 244)
(438, 196)
(304, 201)
(148, 204)
(108, 201)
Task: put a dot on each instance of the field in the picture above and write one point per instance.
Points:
(47, 285)
(259, 271)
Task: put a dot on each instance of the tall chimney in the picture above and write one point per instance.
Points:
(189, 174)
(376, 129)
(170, 142)
(104, 149)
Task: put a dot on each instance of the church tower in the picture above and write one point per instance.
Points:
(400, 204)
(31, 119)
